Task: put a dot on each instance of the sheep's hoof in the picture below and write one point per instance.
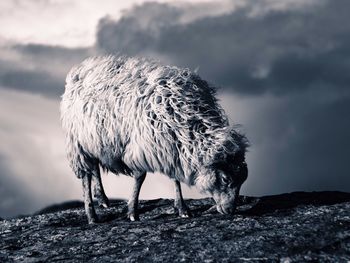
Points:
(103, 201)
(185, 215)
(133, 217)
(92, 220)
(104, 204)
(184, 212)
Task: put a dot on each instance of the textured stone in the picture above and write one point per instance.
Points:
(284, 228)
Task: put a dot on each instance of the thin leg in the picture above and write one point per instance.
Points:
(179, 202)
(134, 199)
(99, 192)
(89, 206)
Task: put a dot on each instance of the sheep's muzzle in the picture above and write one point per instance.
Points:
(226, 203)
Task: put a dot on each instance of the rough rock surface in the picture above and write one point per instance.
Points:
(288, 228)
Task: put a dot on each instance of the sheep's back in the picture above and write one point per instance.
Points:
(154, 117)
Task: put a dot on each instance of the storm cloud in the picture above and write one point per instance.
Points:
(38, 68)
(247, 51)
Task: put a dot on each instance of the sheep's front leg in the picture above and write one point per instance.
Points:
(99, 192)
(180, 204)
(134, 199)
(88, 203)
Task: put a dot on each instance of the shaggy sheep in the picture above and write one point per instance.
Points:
(133, 116)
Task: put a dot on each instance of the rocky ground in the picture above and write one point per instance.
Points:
(289, 228)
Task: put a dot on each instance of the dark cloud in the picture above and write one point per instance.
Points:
(278, 51)
(39, 69)
(302, 145)
(55, 59)
(138, 29)
(319, 148)
(54, 52)
(33, 82)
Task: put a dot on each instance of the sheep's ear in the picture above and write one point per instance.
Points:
(231, 146)
(237, 140)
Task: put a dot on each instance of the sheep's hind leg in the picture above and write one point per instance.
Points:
(134, 200)
(99, 192)
(179, 203)
(88, 203)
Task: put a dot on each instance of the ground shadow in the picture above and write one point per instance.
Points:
(269, 204)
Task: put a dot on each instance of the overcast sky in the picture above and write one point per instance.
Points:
(282, 69)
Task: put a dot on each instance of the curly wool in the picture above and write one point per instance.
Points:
(134, 114)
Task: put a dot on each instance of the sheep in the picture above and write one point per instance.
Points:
(132, 115)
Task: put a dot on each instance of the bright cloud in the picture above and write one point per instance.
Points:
(60, 22)
(70, 23)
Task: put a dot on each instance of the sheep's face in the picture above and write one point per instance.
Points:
(229, 176)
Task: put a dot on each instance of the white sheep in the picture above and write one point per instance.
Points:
(133, 116)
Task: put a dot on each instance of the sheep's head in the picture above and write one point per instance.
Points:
(230, 175)
(223, 181)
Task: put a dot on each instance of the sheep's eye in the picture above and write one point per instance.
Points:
(224, 179)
